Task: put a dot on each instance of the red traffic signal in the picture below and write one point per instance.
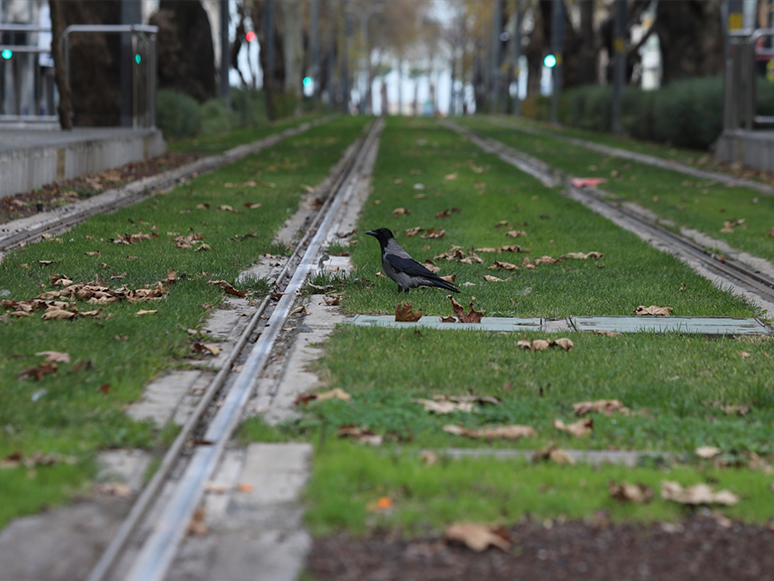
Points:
(250, 36)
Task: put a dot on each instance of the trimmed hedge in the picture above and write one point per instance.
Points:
(687, 113)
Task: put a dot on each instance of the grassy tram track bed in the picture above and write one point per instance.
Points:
(51, 428)
(682, 391)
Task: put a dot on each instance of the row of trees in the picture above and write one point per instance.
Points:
(349, 43)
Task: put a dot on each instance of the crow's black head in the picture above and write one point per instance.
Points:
(383, 235)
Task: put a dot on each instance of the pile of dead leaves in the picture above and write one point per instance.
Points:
(543, 344)
(404, 313)
(653, 310)
(447, 404)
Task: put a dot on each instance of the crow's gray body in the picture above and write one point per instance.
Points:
(404, 270)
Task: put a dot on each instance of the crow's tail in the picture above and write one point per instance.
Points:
(447, 285)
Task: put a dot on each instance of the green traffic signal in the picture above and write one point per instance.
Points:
(307, 81)
(549, 61)
(7, 54)
(137, 58)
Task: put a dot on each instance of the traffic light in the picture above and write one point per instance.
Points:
(307, 81)
(137, 58)
(550, 61)
(7, 54)
(250, 36)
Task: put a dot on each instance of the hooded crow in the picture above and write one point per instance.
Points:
(403, 269)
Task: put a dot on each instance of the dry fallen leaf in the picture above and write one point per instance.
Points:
(577, 429)
(653, 310)
(336, 393)
(512, 432)
(226, 286)
(515, 233)
(607, 333)
(624, 492)
(142, 313)
(332, 300)
(380, 504)
(478, 537)
(490, 278)
(117, 489)
(582, 256)
(707, 452)
(411, 232)
(245, 487)
(39, 372)
(55, 313)
(405, 314)
(554, 454)
(697, 494)
(434, 233)
(564, 343)
(605, 406)
(197, 526)
(207, 348)
(428, 457)
(503, 266)
(55, 356)
(472, 316)
(363, 435)
(400, 212)
(444, 407)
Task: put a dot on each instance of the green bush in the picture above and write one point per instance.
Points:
(689, 113)
(216, 119)
(250, 106)
(177, 115)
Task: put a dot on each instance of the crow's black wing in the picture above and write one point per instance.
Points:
(409, 266)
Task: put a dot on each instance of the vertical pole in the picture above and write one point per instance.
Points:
(345, 89)
(225, 60)
(315, 47)
(517, 56)
(497, 28)
(619, 64)
(557, 42)
(269, 35)
(130, 14)
(364, 50)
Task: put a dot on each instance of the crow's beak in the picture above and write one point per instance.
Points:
(371, 233)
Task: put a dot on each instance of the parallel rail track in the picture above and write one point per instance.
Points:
(201, 442)
(730, 270)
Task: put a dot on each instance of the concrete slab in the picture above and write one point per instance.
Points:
(593, 457)
(487, 323)
(277, 473)
(30, 159)
(127, 466)
(688, 325)
(161, 397)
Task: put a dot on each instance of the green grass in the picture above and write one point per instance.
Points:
(703, 205)
(426, 498)
(66, 411)
(218, 143)
(673, 380)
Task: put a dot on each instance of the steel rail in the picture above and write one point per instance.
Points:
(150, 493)
(732, 270)
(131, 193)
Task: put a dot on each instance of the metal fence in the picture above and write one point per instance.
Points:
(745, 51)
(28, 95)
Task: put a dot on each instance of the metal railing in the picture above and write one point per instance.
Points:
(143, 81)
(740, 91)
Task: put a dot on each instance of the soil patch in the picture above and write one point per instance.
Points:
(700, 548)
(60, 193)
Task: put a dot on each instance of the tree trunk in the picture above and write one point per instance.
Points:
(539, 38)
(65, 108)
(292, 45)
(691, 38)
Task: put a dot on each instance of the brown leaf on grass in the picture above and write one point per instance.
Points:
(227, 208)
(478, 537)
(404, 313)
(583, 256)
(577, 429)
(450, 177)
(543, 344)
(771, 233)
(332, 300)
(503, 266)
(515, 233)
(605, 406)
(55, 356)
(707, 452)
(171, 277)
(527, 263)
(336, 393)
(653, 310)
(142, 313)
(226, 286)
(202, 206)
(513, 248)
(252, 205)
(448, 319)
(697, 494)
(564, 343)
(428, 457)
(206, 348)
(39, 372)
(607, 333)
(490, 278)
(380, 504)
(472, 258)
(434, 233)
(360, 434)
(455, 253)
(744, 354)
(56, 313)
(736, 410)
(104, 388)
(512, 432)
(472, 316)
(546, 260)
(400, 212)
(94, 253)
(444, 406)
(624, 492)
(554, 454)
(411, 232)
